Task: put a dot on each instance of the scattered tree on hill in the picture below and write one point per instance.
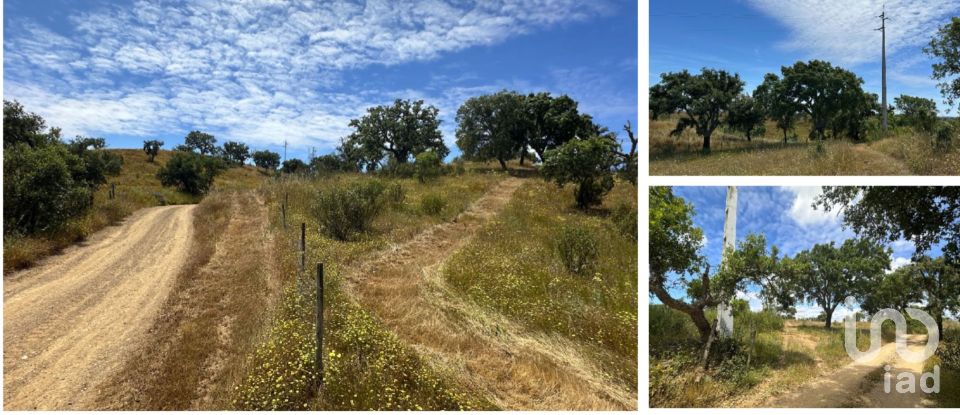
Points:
(746, 116)
(770, 96)
(152, 148)
(826, 274)
(919, 113)
(675, 244)
(400, 131)
(552, 121)
(201, 142)
(701, 98)
(427, 166)
(294, 166)
(493, 127)
(926, 215)
(97, 165)
(629, 169)
(46, 181)
(266, 159)
(824, 92)
(328, 163)
(945, 46)
(190, 172)
(586, 163)
(236, 153)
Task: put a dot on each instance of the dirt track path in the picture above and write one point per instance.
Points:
(857, 384)
(71, 321)
(515, 369)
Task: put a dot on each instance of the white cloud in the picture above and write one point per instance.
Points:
(843, 31)
(898, 262)
(802, 211)
(259, 71)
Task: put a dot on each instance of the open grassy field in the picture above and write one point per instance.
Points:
(903, 152)
(137, 187)
(513, 267)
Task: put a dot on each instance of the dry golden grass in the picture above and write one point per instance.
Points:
(137, 187)
(902, 153)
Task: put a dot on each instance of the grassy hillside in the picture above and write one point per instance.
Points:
(514, 266)
(136, 187)
(903, 152)
(367, 367)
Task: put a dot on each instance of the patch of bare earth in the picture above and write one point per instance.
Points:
(515, 369)
(75, 319)
(215, 315)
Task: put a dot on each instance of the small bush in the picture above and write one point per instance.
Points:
(190, 172)
(944, 136)
(427, 166)
(344, 211)
(578, 249)
(625, 219)
(949, 353)
(432, 204)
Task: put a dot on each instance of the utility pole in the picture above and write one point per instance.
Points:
(883, 31)
(724, 317)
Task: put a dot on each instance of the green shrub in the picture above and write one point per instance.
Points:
(399, 170)
(351, 209)
(944, 136)
(427, 166)
(624, 218)
(432, 204)
(190, 172)
(39, 191)
(586, 163)
(577, 248)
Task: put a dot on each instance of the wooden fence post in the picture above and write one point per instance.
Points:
(303, 247)
(319, 363)
(113, 190)
(283, 211)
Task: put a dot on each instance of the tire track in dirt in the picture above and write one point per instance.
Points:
(515, 369)
(71, 321)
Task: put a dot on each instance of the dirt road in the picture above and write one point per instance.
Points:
(514, 368)
(71, 321)
(860, 384)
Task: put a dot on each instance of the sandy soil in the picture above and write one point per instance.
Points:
(857, 385)
(71, 321)
(516, 369)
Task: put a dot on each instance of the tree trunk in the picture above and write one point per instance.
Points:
(784, 136)
(940, 324)
(503, 164)
(523, 154)
(703, 326)
(748, 137)
(829, 323)
(706, 143)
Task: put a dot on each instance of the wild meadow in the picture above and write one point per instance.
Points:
(904, 151)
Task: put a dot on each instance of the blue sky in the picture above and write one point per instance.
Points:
(263, 72)
(785, 216)
(756, 37)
